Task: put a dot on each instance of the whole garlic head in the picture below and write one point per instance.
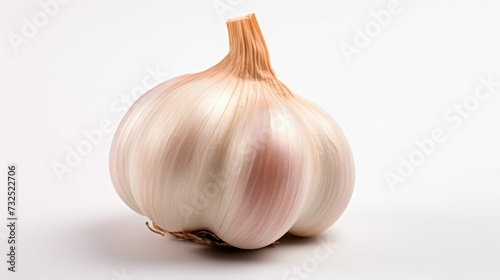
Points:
(233, 151)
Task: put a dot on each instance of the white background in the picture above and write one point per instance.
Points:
(442, 222)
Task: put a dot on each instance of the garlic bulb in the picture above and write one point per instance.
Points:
(232, 151)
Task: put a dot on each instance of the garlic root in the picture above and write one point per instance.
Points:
(201, 237)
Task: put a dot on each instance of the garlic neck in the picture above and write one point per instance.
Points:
(248, 56)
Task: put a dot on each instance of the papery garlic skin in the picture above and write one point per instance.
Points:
(233, 151)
